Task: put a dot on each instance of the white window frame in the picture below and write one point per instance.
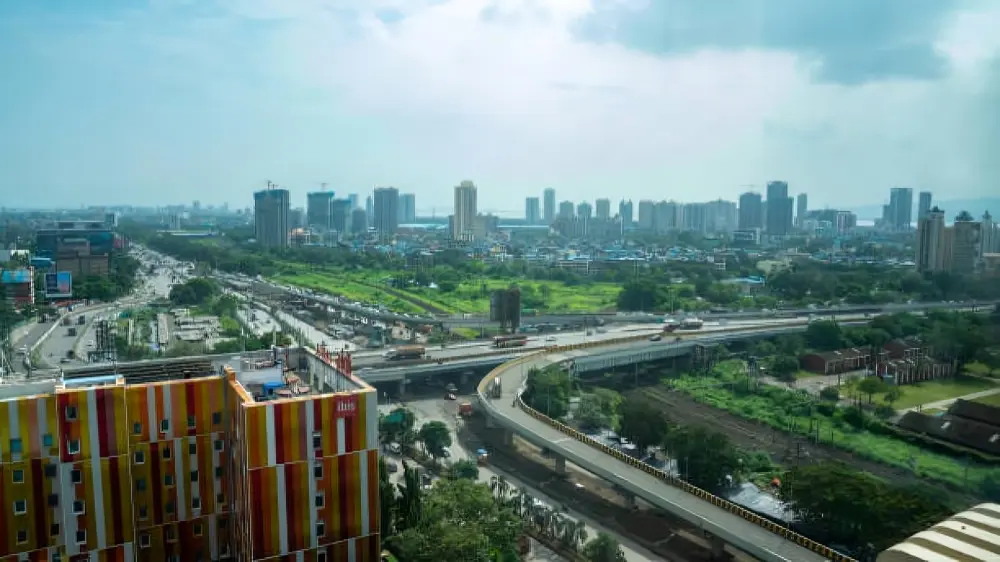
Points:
(14, 476)
(73, 447)
(145, 540)
(72, 413)
(21, 507)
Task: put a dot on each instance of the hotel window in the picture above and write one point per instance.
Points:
(165, 453)
(170, 534)
(143, 513)
(144, 540)
(71, 413)
(47, 440)
(320, 529)
(17, 476)
(20, 507)
(81, 537)
(22, 536)
(168, 480)
(139, 457)
(76, 476)
(197, 530)
(320, 500)
(164, 426)
(317, 440)
(53, 500)
(192, 448)
(79, 508)
(192, 422)
(220, 444)
(54, 529)
(174, 557)
(51, 470)
(220, 499)
(216, 418)
(196, 503)
(318, 471)
(218, 472)
(320, 557)
(16, 447)
(140, 484)
(169, 508)
(194, 476)
(73, 447)
(137, 428)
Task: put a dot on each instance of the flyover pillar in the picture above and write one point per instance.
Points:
(718, 548)
(402, 388)
(560, 465)
(464, 379)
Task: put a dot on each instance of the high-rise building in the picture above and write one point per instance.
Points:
(931, 243)
(353, 198)
(193, 462)
(271, 217)
(801, 208)
(991, 238)
(603, 209)
(549, 205)
(924, 204)
(532, 212)
(359, 221)
(370, 209)
(751, 211)
(779, 209)
(566, 210)
(584, 210)
(466, 209)
(966, 245)
(647, 210)
(900, 208)
(407, 208)
(386, 211)
(318, 209)
(625, 212)
(341, 214)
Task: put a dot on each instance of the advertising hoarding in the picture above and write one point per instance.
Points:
(346, 406)
(59, 285)
(16, 276)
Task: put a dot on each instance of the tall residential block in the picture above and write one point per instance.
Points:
(187, 460)
(341, 214)
(900, 208)
(549, 205)
(647, 210)
(584, 210)
(385, 211)
(924, 204)
(602, 209)
(271, 208)
(625, 212)
(466, 210)
(801, 208)
(532, 211)
(407, 208)
(751, 211)
(779, 209)
(931, 243)
(318, 209)
(566, 211)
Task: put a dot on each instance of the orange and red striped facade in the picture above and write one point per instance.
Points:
(187, 470)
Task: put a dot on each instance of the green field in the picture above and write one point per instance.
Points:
(468, 297)
(791, 411)
(930, 391)
(991, 400)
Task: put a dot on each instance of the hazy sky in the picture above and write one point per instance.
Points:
(167, 101)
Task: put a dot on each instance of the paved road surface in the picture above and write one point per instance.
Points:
(946, 403)
(655, 488)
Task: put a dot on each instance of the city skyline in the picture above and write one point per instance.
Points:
(118, 103)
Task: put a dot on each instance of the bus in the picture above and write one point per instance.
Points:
(513, 340)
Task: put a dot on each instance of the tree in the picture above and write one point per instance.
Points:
(409, 502)
(642, 422)
(824, 335)
(830, 393)
(704, 458)
(387, 498)
(435, 437)
(465, 469)
(834, 503)
(784, 368)
(460, 521)
(589, 414)
(603, 548)
(193, 292)
(871, 386)
(395, 425)
(548, 391)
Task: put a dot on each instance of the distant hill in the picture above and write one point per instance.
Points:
(951, 207)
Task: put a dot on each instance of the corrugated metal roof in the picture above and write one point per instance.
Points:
(969, 536)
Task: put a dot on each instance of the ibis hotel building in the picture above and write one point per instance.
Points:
(265, 456)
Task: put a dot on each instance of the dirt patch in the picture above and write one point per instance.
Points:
(747, 434)
(657, 531)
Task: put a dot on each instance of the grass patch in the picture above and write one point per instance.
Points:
(475, 333)
(804, 375)
(796, 411)
(981, 370)
(991, 400)
(931, 391)
(342, 284)
(555, 296)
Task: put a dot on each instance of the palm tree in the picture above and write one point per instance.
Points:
(500, 488)
(387, 498)
(409, 501)
(603, 548)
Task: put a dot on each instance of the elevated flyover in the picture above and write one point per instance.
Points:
(500, 396)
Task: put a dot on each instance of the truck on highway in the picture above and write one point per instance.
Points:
(71, 331)
(81, 320)
(691, 324)
(513, 340)
(405, 352)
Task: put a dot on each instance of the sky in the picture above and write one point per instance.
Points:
(159, 102)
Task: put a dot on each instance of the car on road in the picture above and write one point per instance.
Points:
(451, 396)
(655, 337)
(551, 338)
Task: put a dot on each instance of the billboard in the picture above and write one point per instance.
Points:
(59, 285)
(16, 276)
